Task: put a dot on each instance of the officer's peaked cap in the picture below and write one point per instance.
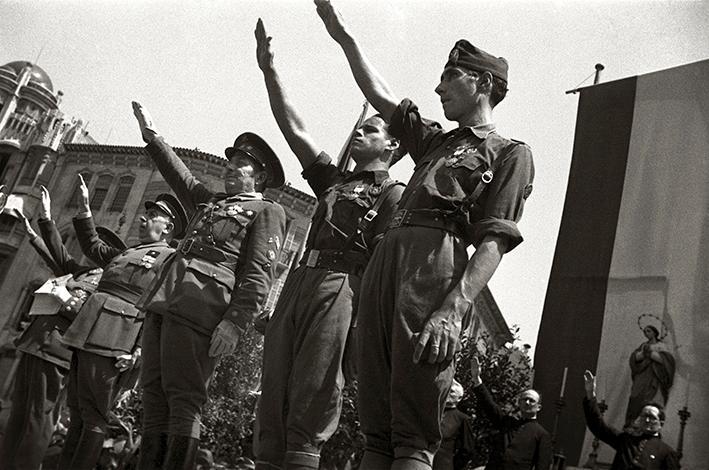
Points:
(109, 236)
(257, 148)
(169, 204)
(467, 56)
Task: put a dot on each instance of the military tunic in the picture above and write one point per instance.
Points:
(223, 269)
(305, 342)
(467, 184)
(108, 325)
(43, 367)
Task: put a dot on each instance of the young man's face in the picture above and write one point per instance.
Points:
(649, 419)
(371, 141)
(155, 225)
(457, 90)
(243, 174)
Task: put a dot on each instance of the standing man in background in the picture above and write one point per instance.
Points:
(469, 187)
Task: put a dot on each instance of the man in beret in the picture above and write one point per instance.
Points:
(468, 188)
(213, 288)
(105, 335)
(307, 335)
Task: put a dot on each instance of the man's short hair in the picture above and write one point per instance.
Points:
(498, 91)
(531, 390)
(400, 151)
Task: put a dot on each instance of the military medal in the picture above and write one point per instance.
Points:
(149, 259)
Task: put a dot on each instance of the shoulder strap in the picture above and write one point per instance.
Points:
(366, 221)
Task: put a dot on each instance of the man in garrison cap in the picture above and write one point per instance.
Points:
(105, 335)
(468, 188)
(44, 364)
(209, 293)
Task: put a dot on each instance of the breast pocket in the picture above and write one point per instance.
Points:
(141, 274)
(459, 175)
(117, 326)
(226, 229)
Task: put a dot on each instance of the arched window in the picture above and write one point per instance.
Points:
(100, 191)
(119, 199)
(74, 200)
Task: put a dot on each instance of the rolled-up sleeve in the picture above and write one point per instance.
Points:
(416, 134)
(321, 174)
(506, 195)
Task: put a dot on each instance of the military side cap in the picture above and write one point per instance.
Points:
(109, 236)
(257, 148)
(467, 56)
(170, 205)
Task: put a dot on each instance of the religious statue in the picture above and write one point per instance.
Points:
(652, 368)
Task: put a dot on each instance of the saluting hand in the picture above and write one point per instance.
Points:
(264, 54)
(128, 361)
(589, 384)
(28, 226)
(46, 204)
(332, 19)
(224, 339)
(441, 335)
(84, 193)
(147, 127)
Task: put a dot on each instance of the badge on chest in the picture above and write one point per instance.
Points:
(148, 260)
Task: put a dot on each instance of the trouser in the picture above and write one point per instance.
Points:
(301, 397)
(400, 402)
(35, 403)
(175, 375)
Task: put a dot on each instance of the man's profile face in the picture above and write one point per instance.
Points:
(649, 419)
(371, 140)
(155, 225)
(529, 403)
(457, 90)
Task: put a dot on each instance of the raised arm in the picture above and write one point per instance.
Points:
(92, 246)
(485, 400)
(53, 239)
(291, 125)
(38, 245)
(594, 420)
(373, 86)
(188, 189)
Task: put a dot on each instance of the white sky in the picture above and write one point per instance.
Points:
(192, 64)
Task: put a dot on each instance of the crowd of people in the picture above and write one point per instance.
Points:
(200, 275)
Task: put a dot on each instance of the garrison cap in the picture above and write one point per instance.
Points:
(257, 148)
(467, 56)
(169, 204)
(109, 236)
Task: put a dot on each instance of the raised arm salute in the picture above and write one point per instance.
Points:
(306, 339)
(468, 187)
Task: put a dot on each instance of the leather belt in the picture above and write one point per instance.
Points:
(190, 246)
(425, 218)
(350, 262)
(122, 291)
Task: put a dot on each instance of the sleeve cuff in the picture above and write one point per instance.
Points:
(83, 215)
(503, 228)
(323, 159)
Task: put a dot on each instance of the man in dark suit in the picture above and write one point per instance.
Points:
(639, 446)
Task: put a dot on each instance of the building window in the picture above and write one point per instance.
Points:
(75, 198)
(100, 191)
(29, 172)
(119, 200)
(7, 223)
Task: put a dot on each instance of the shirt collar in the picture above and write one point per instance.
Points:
(482, 130)
(379, 176)
(246, 196)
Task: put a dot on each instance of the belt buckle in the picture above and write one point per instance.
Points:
(487, 177)
(313, 256)
(398, 218)
(369, 216)
(186, 246)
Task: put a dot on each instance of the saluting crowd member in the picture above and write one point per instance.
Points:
(468, 187)
(209, 293)
(105, 334)
(44, 365)
(302, 381)
(640, 445)
(521, 442)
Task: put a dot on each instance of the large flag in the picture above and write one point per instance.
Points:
(628, 295)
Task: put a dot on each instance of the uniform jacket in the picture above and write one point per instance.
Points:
(109, 324)
(42, 337)
(632, 452)
(246, 228)
(521, 444)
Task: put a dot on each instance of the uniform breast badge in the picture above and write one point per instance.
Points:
(149, 259)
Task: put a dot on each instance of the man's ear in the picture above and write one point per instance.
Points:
(485, 81)
(169, 228)
(393, 145)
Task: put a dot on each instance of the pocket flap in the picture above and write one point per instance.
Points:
(471, 160)
(120, 307)
(219, 273)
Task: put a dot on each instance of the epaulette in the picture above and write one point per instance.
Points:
(519, 142)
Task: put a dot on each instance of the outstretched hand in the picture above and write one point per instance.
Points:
(264, 54)
(145, 122)
(28, 226)
(332, 19)
(83, 194)
(440, 335)
(46, 204)
(225, 338)
(589, 384)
